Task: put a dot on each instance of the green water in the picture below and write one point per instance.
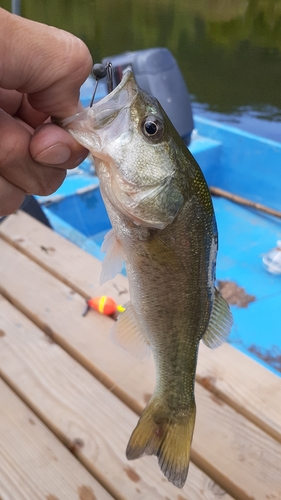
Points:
(228, 50)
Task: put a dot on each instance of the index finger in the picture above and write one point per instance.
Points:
(48, 64)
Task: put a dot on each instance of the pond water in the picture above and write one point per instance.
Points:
(229, 51)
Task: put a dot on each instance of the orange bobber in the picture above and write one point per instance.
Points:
(104, 305)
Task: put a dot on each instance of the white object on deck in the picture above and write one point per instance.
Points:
(272, 259)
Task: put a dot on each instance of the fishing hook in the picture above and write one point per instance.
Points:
(100, 71)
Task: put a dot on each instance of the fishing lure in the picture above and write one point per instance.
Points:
(100, 71)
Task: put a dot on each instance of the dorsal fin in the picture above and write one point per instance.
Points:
(220, 323)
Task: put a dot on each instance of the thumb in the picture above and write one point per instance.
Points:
(51, 145)
(48, 64)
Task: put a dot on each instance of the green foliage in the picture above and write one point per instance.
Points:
(229, 50)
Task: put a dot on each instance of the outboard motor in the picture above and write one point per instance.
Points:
(157, 72)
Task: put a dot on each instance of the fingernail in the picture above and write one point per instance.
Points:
(54, 155)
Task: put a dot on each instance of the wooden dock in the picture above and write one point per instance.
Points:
(70, 398)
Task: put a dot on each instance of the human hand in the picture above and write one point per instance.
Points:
(41, 71)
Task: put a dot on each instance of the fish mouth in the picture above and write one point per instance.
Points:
(104, 111)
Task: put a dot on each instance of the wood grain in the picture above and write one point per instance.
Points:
(237, 379)
(89, 419)
(235, 452)
(33, 463)
(72, 265)
(248, 387)
(54, 307)
(58, 311)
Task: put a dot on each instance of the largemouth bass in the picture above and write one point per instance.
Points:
(164, 227)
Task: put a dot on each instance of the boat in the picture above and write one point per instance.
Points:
(249, 258)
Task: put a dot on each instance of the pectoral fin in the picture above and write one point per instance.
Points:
(220, 323)
(113, 261)
(127, 334)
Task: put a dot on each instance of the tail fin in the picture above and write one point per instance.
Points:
(167, 436)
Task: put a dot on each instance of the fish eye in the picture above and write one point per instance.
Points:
(153, 127)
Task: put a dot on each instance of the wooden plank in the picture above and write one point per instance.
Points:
(86, 416)
(244, 384)
(72, 265)
(251, 390)
(243, 480)
(233, 451)
(33, 463)
(57, 310)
